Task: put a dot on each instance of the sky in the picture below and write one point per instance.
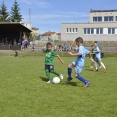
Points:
(47, 15)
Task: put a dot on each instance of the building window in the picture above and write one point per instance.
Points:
(108, 18)
(71, 30)
(115, 18)
(67, 30)
(88, 30)
(99, 30)
(111, 30)
(97, 19)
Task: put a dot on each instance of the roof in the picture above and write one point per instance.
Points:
(58, 33)
(48, 33)
(34, 28)
(13, 27)
(114, 10)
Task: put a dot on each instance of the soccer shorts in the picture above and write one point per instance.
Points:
(49, 67)
(78, 69)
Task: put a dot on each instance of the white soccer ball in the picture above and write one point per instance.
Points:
(56, 80)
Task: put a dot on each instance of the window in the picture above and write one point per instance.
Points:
(85, 31)
(97, 19)
(108, 18)
(111, 30)
(99, 30)
(92, 31)
(67, 30)
(88, 30)
(71, 30)
(115, 18)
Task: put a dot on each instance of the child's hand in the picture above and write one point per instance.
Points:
(70, 53)
(62, 62)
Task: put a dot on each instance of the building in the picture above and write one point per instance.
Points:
(102, 26)
(50, 35)
(35, 31)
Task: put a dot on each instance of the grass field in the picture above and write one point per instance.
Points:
(25, 93)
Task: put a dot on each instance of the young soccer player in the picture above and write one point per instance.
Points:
(49, 62)
(78, 63)
(98, 57)
(93, 56)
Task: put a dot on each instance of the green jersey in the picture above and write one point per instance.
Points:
(93, 54)
(49, 60)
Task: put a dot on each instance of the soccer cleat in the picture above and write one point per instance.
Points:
(68, 79)
(49, 82)
(87, 84)
(61, 76)
(105, 70)
(95, 70)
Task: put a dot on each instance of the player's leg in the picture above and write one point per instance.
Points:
(70, 66)
(48, 75)
(77, 75)
(96, 66)
(103, 65)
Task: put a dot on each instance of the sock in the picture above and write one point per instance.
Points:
(96, 66)
(48, 75)
(82, 79)
(69, 72)
(54, 72)
(103, 65)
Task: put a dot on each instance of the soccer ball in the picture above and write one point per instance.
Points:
(56, 80)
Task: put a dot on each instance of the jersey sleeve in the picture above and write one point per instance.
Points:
(87, 51)
(98, 50)
(81, 49)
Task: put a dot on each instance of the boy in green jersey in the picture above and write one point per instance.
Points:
(49, 62)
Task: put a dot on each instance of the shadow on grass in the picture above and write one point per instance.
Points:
(43, 78)
(89, 69)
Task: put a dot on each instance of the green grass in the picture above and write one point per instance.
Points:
(25, 93)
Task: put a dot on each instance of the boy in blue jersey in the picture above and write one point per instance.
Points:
(98, 57)
(78, 63)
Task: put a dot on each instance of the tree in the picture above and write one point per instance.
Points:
(15, 15)
(4, 15)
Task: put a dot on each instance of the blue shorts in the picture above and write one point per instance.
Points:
(97, 59)
(78, 69)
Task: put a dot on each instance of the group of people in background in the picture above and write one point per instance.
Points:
(24, 43)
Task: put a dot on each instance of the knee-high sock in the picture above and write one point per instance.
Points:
(82, 79)
(69, 72)
(55, 72)
(48, 74)
(96, 66)
(103, 65)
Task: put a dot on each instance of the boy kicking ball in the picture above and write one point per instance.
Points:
(79, 63)
(49, 62)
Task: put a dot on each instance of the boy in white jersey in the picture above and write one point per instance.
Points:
(98, 57)
(78, 63)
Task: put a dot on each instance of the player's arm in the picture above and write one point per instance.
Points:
(60, 59)
(74, 54)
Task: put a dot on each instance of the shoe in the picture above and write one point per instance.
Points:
(61, 76)
(91, 67)
(87, 84)
(68, 79)
(105, 70)
(100, 66)
(49, 82)
(95, 70)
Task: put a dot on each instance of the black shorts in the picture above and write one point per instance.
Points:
(49, 67)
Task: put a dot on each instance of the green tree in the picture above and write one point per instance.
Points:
(4, 15)
(15, 15)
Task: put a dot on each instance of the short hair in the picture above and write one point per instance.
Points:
(79, 39)
(48, 44)
(95, 41)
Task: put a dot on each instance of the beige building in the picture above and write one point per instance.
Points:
(35, 31)
(102, 26)
(50, 35)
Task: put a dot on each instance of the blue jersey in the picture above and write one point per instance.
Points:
(97, 52)
(80, 59)
(86, 51)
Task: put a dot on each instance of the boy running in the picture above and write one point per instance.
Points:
(98, 57)
(78, 63)
(49, 62)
